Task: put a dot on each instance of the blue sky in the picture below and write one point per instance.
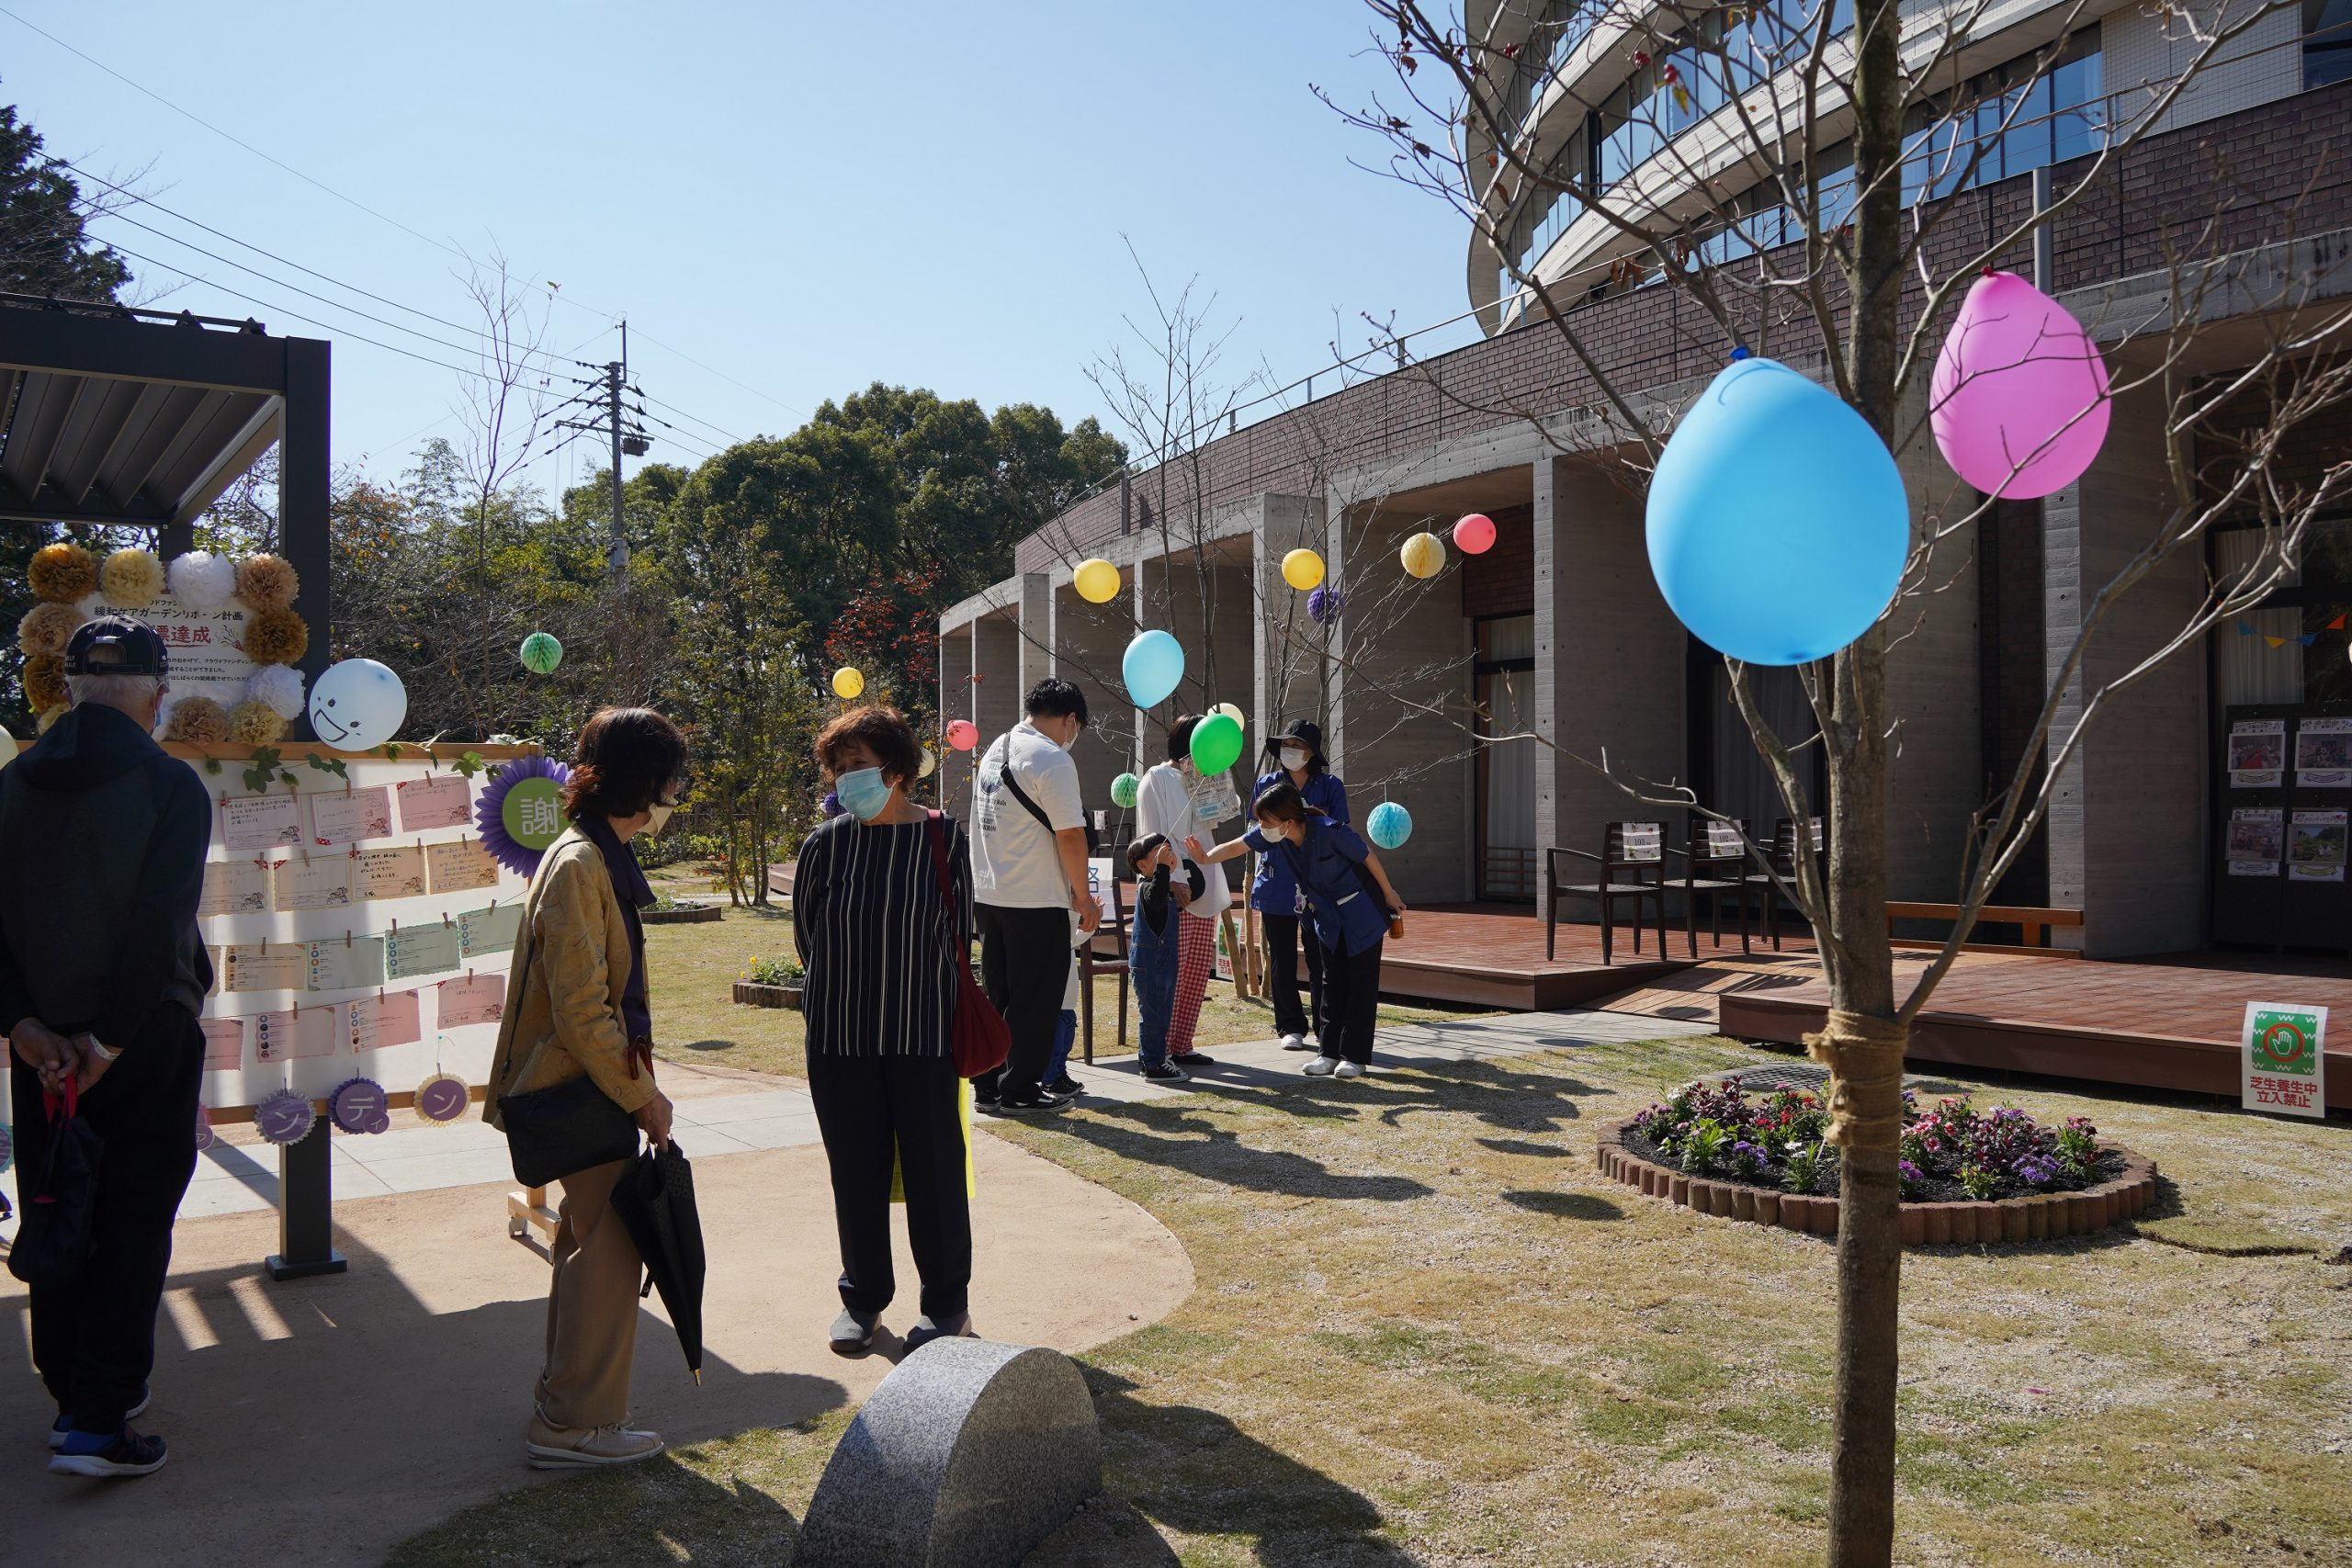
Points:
(794, 196)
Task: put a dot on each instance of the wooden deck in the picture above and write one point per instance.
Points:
(1492, 955)
(2171, 1023)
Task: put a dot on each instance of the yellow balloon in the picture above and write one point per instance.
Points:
(1303, 569)
(1423, 554)
(1097, 580)
(847, 682)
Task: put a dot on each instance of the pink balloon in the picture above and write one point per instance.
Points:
(1475, 534)
(963, 734)
(2020, 403)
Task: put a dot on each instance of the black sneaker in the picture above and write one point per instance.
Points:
(1165, 1072)
(1193, 1059)
(64, 1424)
(1066, 1085)
(129, 1454)
(1030, 1104)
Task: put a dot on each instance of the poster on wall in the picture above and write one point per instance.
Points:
(2282, 1059)
(2257, 753)
(2323, 753)
(2315, 846)
(206, 648)
(2255, 841)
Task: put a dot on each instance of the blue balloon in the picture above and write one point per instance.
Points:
(1778, 525)
(1389, 824)
(1155, 662)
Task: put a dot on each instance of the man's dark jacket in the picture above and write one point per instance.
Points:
(102, 844)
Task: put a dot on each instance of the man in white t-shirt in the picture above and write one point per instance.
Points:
(1166, 805)
(1028, 835)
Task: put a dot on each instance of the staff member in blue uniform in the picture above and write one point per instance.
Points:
(1298, 754)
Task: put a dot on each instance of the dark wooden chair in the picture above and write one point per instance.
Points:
(1714, 864)
(1782, 870)
(1094, 959)
(1631, 866)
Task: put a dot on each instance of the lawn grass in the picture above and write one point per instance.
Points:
(1425, 1331)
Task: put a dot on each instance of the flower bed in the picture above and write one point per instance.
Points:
(1762, 1157)
(669, 911)
(770, 982)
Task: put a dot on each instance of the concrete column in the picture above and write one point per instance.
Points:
(1088, 642)
(2135, 861)
(996, 691)
(958, 650)
(1037, 628)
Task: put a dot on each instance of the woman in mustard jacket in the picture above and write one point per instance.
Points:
(579, 1009)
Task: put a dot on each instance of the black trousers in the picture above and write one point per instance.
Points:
(871, 1111)
(1284, 934)
(1024, 968)
(1351, 1003)
(93, 1341)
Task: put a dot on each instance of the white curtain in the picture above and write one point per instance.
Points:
(2246, 668)
(1511, 764)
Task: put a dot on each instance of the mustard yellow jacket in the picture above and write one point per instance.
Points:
(563, 1012)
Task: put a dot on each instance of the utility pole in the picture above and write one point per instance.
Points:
(616, 553)
(610, 417)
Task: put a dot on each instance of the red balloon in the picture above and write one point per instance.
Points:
(963, 734)
(1475, 535)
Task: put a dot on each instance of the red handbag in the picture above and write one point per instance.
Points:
(976, 1037)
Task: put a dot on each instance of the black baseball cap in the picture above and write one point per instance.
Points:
(116, 645)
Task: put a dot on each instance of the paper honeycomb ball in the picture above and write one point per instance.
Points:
(541, 653)
(61, 573)
(1422, 556)
(266, 583)
(131, 580)
(46, 628)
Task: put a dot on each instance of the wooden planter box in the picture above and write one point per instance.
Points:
(684, 915)
(751, 995)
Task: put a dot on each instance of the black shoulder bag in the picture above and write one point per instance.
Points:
(568, 1127)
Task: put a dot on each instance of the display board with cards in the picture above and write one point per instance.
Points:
(357, 927)
(2282, 789)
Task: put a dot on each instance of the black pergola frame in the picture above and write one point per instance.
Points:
(210, 394)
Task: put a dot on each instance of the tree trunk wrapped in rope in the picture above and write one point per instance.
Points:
(1864, 1055)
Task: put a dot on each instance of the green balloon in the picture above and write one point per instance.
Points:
(533, 813)
(1124, 790)
(541, 653)
(1216, 743)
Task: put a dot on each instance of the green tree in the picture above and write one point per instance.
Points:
(44, 246)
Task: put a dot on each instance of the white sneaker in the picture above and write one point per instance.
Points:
(550, 1446)
(1351, 1070)
(1321, 1068)
(1295, 1043)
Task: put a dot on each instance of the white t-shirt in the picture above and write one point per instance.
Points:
(1015, 864)
(1164, 805)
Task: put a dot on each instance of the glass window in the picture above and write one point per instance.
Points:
(2327, 43)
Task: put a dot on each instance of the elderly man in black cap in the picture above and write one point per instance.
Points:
(102, 975)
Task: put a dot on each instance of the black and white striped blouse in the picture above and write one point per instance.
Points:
(874, 937)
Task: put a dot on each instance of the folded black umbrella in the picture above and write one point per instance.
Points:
(655, 1201)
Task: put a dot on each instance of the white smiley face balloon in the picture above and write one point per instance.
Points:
(357, 704)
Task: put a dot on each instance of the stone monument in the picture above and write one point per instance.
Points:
(967, 1456)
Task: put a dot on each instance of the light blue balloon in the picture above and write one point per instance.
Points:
(1155, 662)
(1778, 524)
(1389, 824)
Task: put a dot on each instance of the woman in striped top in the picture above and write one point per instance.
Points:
(880, 946)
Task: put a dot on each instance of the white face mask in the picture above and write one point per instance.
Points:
(1294, 759)
(660, 818)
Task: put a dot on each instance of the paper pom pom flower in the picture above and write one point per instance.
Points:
(131, 578)
(44, 681)
(61, 573)
(520, 812)
(90, 606)
(198, 721)
(254, 724)
(276, 636)
(46, 628)
(266, 583)
(202, 580)
(48, 717)
(277, 688)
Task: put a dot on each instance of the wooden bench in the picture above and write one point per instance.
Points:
(2037, 923)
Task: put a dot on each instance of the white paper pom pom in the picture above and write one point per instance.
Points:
(279, 688)
(92, 606)
(202, 580)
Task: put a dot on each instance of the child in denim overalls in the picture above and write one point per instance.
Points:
(1151, 955)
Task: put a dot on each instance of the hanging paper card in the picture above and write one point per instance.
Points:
(215, 959)
(260, 821)
(388, 873)
(323, 882)
(490, 930)
(442, 801)
(265, 968)
(399, 1020)
(421, 950)
(2255, 842)
(292, 1036)
(442, 1098)
(224, 1043)
(476, 998)
(2315, 846)
(358, 1025)
(347, 818)
(359, 1105)
(285, 1117)
(239, 886)
(461, 866)
(2257, 753)
(2323, 753)
(347, 963)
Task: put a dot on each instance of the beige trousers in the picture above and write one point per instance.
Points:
(592, 1306)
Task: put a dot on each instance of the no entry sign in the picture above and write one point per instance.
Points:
(2283, 1062)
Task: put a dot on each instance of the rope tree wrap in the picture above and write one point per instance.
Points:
(1863, 1053)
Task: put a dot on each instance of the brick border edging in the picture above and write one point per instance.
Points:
(2045, 1217)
